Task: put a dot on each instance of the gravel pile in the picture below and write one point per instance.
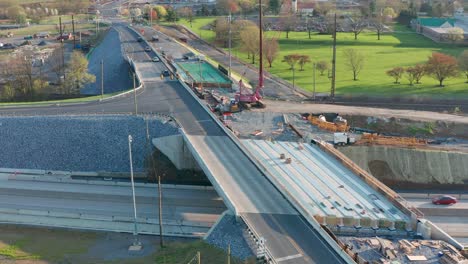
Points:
(116, 68)
(229, 231)
(78, 143)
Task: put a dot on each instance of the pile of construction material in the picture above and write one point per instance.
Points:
(339, 124)
(375, 139)
(381, 250)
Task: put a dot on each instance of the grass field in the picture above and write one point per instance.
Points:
(404, 48)
(31, 245)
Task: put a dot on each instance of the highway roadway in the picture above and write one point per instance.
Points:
(182, 207)
(288, 236)
(453, 219)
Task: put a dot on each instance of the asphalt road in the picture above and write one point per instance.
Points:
(453, 219)
(288, 236)
(110, 200)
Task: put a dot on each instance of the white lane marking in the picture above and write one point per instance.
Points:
(288, 257)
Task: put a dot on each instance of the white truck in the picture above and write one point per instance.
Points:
(343, 138)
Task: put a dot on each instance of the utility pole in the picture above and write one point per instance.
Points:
(135, 95)
(229, 254)
(73, 29)
(160, 214)
(63, 51)
(260, 72)
(102, 79)
(135, 231)
(333, 81)
(315, 65)
(199, 257)
(230, 56)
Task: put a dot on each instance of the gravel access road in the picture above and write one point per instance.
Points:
(292, 107)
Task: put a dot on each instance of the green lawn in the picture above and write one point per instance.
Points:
(65, 18)
(398, 49)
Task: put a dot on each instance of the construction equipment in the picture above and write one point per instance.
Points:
(320, 121)
(251, 99)
(343, 138)
(375, 139)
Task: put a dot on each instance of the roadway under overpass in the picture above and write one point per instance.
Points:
(61, 201)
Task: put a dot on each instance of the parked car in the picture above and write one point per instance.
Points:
(140, 39)
(444, 199)
(147, 49)
(155, 38)
(156, 59)
(28, 37)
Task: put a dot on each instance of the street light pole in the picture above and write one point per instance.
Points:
(135, 231)
(102, 79)
(160, 213)
(230, 45)
(135, 95)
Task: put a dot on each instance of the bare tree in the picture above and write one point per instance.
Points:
(56, 65)
(250, 40)
(357, 25)
(354, 60)
(378, 23)
(270, 50)
(463, 63)
(322, 66)
(288, 23)
(415, 73)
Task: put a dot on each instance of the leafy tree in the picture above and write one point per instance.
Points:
(16, 13)
(415, 73)
(274, 6)
(214, 11)
(396, 73)
(354, 60)
(171, 15)
(292, 60)
(372, 7)
(250, 40)
(322, 66)
(324, 7)
(441, 67)
(161, 10)
(135, 13)
(463, 63)
(310, 27)
(303, 59)
(204, 10)
(455, 34)
(270, 50)
(389, 12)
(77, 73)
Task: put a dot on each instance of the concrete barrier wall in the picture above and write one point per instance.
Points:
(175, 149)
(438, 234)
